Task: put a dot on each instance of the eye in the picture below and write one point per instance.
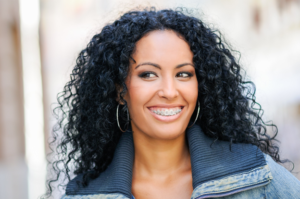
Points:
(147, 75)
(184, 74)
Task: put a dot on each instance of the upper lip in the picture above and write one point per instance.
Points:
(166, 106)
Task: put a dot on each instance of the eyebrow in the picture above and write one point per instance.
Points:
(157, 66)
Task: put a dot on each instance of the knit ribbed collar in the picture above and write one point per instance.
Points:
(209, 162)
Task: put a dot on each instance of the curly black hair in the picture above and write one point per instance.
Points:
(87, 133)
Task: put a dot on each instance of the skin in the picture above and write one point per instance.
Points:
(162, 164)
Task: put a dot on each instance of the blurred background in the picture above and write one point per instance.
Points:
(40, 40)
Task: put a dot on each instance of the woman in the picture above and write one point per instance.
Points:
(157, 108)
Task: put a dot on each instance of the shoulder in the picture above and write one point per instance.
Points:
(283, 184)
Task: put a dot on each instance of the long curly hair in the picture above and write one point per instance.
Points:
(86, 134)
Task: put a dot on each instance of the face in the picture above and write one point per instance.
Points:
(162, 85)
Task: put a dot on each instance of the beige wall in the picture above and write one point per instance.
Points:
(13, 171)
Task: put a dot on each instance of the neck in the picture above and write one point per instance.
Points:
(160, 158)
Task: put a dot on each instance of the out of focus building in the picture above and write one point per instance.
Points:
(13, 169)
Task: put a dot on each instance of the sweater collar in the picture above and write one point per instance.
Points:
(209, 162)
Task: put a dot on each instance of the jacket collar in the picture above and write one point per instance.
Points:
(209, 162)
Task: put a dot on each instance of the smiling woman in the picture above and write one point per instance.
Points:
(162, 91)
(157, 108)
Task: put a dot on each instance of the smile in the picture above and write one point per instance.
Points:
(166, 111)
(166, 114)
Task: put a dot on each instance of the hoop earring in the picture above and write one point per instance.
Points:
(117, 113)
(198, 111)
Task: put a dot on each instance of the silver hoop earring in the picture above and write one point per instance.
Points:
(117, 113)
(198, 111)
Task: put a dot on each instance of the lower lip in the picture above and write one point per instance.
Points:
(167, 118)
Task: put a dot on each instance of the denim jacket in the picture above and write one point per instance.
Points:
(243, 172)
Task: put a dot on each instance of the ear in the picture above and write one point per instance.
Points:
(119, 90)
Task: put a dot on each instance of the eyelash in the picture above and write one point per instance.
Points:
(144, 74)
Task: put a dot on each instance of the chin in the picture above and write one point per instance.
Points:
(166, 132)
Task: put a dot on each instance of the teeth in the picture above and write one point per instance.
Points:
(167, 112)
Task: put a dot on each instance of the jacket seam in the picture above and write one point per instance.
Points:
(247, 172)
(229, 189)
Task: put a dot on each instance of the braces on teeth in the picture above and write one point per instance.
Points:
(166, 112)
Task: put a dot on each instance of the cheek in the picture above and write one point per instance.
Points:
(139, 93)
(189, 91)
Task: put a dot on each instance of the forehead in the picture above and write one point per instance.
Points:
(162, 45)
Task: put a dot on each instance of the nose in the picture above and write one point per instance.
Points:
(168, 89)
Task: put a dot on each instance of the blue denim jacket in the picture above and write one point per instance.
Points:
(243, 172)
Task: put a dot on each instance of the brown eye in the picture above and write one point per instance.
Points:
(184, 74)
(147, 75)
